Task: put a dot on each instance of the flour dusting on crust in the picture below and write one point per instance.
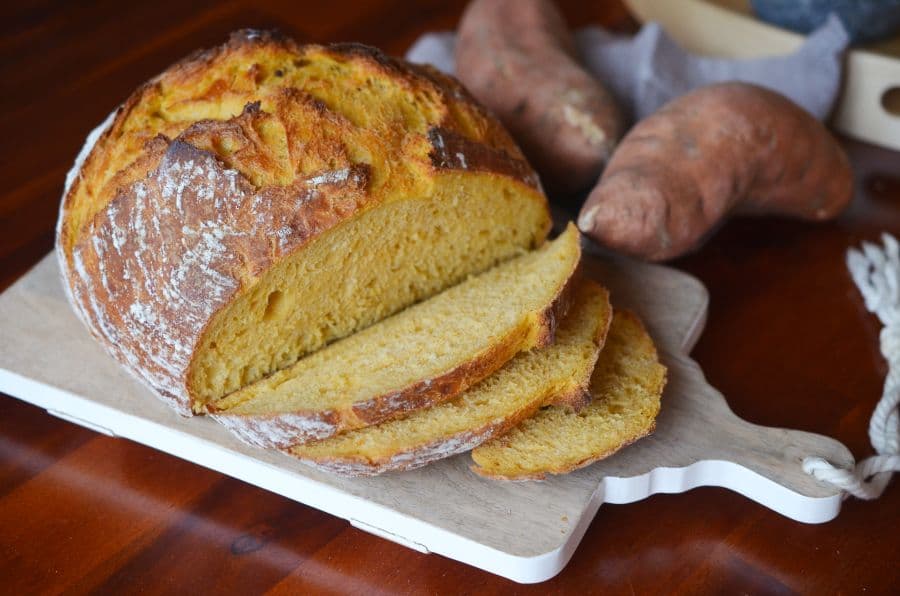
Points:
(407, 460)
(73, 173)
(170, 250)
(285, 429)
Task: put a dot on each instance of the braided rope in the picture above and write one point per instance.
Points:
(876, 272)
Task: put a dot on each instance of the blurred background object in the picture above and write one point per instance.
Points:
(865, 20)
(869, 104)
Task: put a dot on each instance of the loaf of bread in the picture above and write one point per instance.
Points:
(627, 386)
(420, 357)
(343, 256)
(558, 372)
(259, 200)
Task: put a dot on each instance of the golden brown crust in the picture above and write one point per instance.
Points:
(656, 389)
(425, 454)
(429, 392)
(421, 455)
(453, 151)
(204, 207)
(580, 396)
(462, 115)
(285, 429)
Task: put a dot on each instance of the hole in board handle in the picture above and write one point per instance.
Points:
(890, 101)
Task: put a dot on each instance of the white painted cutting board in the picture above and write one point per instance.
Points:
(524, 531)
(867, 107)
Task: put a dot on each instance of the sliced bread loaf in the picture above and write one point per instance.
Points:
(259, 200)
(516, 391)
(627, 386)
(421, 356)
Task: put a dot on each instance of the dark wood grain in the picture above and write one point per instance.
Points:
(788, 342)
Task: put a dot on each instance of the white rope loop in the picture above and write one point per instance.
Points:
(876, 272)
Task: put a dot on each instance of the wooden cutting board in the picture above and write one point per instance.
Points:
(524, 531)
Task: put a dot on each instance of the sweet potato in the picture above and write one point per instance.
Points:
(722, 148)
(518, 58)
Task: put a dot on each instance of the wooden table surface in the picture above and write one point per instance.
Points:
(788, 342)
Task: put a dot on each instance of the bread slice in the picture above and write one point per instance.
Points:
(422, 356)
(490, 408)
(262, 199)
(627, 386)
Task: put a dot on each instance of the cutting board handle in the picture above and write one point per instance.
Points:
(720, 449)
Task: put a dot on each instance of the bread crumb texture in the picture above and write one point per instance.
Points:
(516, 391)
(627, 387)
(424, 355)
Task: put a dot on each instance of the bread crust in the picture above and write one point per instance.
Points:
(182, 234)
(580, 396)
(423, 455)
(646, 430)
(286, 429)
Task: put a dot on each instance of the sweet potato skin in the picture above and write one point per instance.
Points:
(722, 148)
(518, 58)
